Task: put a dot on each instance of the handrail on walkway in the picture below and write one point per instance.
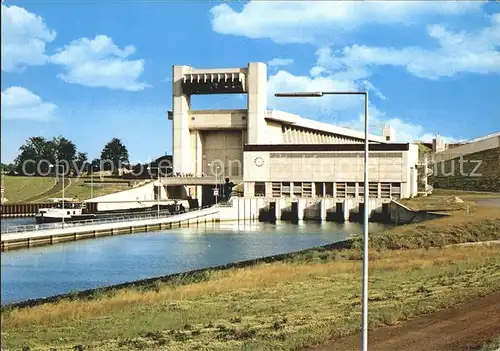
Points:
(117, 219)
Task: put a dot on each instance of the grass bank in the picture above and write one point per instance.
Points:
(18, 188)
(480, 224)
(279, 306)
(80, 191)
(494, 345)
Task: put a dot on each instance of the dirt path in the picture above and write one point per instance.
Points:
(54, 190)
(493, 202)
(465, 327)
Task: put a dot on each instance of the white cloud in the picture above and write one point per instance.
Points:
(99, 62)
(309, 21)
(279, 62)
(346, 111)
(283, 81)
(458, 52)
(24, 36)
(20, 103)
(405, 131)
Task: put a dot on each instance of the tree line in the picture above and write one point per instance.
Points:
(37, 155)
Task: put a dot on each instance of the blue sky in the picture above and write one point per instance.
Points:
(91, 71)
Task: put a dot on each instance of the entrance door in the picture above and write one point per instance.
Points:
(224, 149)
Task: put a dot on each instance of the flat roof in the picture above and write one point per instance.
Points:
(298, 121)
(326, 147)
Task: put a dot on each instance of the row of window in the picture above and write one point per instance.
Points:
(328, 189)
(334, 154)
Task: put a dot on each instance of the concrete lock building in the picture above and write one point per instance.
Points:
(275, 154)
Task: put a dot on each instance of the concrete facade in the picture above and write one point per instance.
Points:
(330, 171)
(472, 165)
(208, 142)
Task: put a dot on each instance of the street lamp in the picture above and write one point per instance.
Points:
(92, 180)
(64, 210)
(365, 215)
(216, 190)
(159, 190)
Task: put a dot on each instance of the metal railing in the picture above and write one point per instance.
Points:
(114, 219)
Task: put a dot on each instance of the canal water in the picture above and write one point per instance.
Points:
(62, 268)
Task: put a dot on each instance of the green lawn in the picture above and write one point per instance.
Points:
(279, 306)
(18, 189)
(493, 345)
(78, 190)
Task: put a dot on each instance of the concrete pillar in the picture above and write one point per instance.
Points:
(301, 206)
(322, 211)
(249, 189)
(181, 141)
(199, 194)
(347, 209)
(198, 167)
(257, 101)
(389, 133)
(278, 210)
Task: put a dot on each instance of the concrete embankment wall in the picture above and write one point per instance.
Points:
(321, 209)
(468, 167)
(141, 196)
(22, 210)
(189, 276)
(13, 241)
(401, 214)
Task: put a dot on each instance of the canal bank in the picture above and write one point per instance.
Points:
(75, 266)
(35, 235)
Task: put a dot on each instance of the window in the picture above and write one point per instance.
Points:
(285, 189)
(373, 190)
(297, 189)
(351, 190)
(260, 189)
(276, 188)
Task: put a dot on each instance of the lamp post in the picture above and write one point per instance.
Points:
(159, 190)
(92, 180)
(64, 211)
(216, 181)
(365, 214)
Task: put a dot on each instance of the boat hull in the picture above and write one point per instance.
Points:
(51, 219)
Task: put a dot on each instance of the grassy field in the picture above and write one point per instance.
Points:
(479, 224)
(78, 190)
(465, 194)
(18, 188)
(494, 345)
(280, 306)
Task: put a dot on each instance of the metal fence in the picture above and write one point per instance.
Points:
(117, 219)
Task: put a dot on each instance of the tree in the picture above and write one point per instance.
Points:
(37, 153)
(113, 155)
(64, 151)
(94, 166)
(7, 167)
(82, 164)
(32, 152)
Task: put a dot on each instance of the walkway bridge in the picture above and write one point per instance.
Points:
(209, 180)
(14, 237)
